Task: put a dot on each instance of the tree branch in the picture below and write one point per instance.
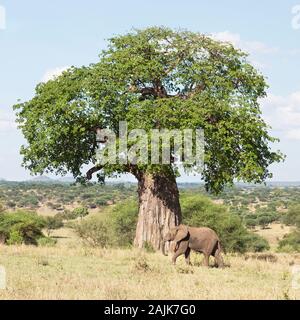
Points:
(89, 174)
(130, 168)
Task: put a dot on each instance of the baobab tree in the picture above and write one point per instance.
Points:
(152, 79)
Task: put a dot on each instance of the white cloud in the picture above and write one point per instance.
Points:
(293, 134)
(51, 74)
(259, 47)
(7, 125)
(283, 114)
(294, 52)
(7, 121)
(253, 47)
(226, 36)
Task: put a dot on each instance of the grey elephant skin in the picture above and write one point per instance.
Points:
(203, 240)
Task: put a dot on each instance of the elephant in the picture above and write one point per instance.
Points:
(203, 240)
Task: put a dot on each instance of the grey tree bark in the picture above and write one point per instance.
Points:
(159, 210)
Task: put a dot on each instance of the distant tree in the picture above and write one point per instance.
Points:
(21, 226)
(290, 242)
(292, 217)
(265, 219)
(251, 222)
(53, 223)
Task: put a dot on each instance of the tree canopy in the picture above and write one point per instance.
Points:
(153, 78)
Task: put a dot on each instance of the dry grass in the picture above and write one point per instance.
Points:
(275, 233)
(68, 272)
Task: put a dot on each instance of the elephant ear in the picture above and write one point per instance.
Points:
(181, 233)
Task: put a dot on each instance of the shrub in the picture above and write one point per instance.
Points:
(94, 231)
(80, 212)
(53, 223)
(46, 242)
(123, 220)
(290, 242)
(141, 264)
(292, 217)
(115, 227)
(265, 219)
(85, 196)
(30, 201)
(200, 211)
(255, 243)
(15, 237)
(67, 215)
(50, 205)
(250, 222)
(25, 224)
(100, 202)
(11, 204)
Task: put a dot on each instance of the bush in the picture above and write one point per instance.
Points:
(250, 222)
(292, 217)
(46, 242)
(200, 211)
(100, 202)
(15, 238)
(30, 201)
(80, 212)
(115, 227)
(11, 204)
(67, 215)
(21, 225)
(123, 221)
(256, 243)
(290, 242)
(53, 223)
(94, 231)
(265, 217)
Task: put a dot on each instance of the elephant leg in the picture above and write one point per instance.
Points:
(187, 255)
(219, 259)
(206, 260)
(180, 249)
(176, 255)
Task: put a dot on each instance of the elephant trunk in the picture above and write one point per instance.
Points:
(163, 247)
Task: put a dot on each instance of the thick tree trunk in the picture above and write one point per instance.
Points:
(159, 210)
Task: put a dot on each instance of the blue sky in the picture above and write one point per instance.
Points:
(43, 37)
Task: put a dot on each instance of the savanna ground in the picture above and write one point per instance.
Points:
(73, 270)
(85, 273)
